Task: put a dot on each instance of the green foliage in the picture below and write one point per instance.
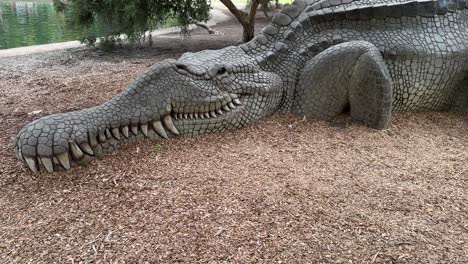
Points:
(108, 19)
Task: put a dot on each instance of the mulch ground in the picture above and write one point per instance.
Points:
(280, 191)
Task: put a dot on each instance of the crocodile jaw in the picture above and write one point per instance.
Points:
(149, 108)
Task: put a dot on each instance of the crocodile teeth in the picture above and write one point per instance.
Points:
(47, 162)
(170, 125)
(125, 131)
(231, 105)
(236, 101)
(207, 115)
(181, 116)
(226, 108)
(134, 129)
(213, 114)
(76, 151)
(102, 137)
(108, 133)
(158, 127)
(32, 163)
(186, 116)
(144, 129)
(220, 112)
(87, 148)
(116, 133)
(190, 116)
(64, 160)
(92, 139)
(202, 116)
(19, 154)
(195, 115)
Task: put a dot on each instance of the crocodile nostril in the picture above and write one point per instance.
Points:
(181, 67)
(187, 68)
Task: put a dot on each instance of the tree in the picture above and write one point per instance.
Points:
(111, 18)
(246, 19)
(108, 19)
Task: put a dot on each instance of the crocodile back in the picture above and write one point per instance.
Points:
(424, 43)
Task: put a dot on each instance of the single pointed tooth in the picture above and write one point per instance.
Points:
(92, 139)
(220, 112)
(170, 125)
(190, 115)
(158, 127)
(87, 148)
(144, 129)
(19, 154)
(212, 107)
(47, 162)
(64, 160)
(213, 114)
(102, 137)
(108, 133)
(207, 115)
(231, 105)
(134, 129)
(76, 151)
(202, 116)
(226, 108)
(125, 131)
(186, 116)
(227, 98)
(237, 101)
(174, 115)
(32, 163)
(195, 115)
(116, 133)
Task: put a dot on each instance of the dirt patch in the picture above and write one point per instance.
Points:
(281, 191)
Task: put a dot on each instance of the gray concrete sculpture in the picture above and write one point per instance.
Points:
(316, 59)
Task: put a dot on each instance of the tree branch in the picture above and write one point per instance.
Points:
(253, 10)
(241, 16)
(208, 28)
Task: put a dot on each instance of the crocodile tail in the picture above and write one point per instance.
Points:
(301, 15)
(338, 10)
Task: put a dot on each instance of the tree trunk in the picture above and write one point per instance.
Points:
(249, 31)
(247, 20)
(265, 11)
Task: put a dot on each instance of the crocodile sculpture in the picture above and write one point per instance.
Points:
(316, 59)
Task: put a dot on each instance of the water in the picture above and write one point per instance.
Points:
(25, 23)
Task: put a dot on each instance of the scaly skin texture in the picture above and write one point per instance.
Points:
(316, 59)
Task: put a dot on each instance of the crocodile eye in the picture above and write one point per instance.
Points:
(221, 71)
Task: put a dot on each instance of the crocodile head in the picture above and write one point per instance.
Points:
(202, 92)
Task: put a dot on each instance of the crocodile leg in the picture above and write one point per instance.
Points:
(461, 97)
(349, 74)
